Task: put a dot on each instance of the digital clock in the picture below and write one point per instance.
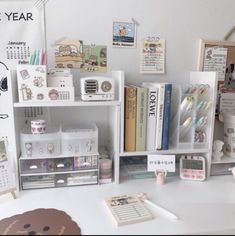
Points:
(193, 168)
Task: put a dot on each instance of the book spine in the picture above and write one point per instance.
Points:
(130, 118)
(166, 117)
(159, 117)
(141, 116)
(151, 117)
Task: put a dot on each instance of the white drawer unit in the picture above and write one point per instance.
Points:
(58, 172)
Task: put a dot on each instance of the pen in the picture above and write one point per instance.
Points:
(168, 214)
(165, 212)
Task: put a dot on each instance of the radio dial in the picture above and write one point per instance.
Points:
(106, 86)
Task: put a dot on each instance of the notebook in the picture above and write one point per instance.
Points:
(127, 209)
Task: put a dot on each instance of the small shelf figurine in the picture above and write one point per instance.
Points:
(217, 150)
(160, 177)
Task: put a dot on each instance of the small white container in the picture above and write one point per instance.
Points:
(38, 126)
(79, 139)
(43, 145)
(229, 133)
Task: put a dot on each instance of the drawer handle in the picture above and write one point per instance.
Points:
(61, 165)
(60, 181)
(86, 164)
(33, 167)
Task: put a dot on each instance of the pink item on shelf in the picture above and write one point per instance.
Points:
(161, 177)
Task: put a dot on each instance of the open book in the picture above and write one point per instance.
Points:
(127, 209)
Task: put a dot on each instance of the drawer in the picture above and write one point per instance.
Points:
(61, 180)
(82, 178)
(60, 164)
(39, 181)
(86, 162)
(33, 166)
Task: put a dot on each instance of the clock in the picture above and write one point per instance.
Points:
(193, 168)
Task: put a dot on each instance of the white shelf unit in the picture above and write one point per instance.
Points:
(188, 147)
(109, 118)
(105, 114)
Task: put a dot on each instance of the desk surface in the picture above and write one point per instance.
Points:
(203, 207)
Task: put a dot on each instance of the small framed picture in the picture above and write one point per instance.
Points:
(124, 34)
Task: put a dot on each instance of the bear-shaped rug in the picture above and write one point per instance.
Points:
(39, 222)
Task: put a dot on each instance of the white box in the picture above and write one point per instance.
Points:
(40, 145)
(79, 139)
(60, 78)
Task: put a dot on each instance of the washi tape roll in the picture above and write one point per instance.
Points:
(38, 126)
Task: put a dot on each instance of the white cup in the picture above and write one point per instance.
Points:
(38, 126)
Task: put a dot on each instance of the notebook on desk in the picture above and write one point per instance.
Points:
(127, 209)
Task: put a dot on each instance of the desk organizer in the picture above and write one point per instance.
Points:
(33, 87)
(58, 172)
(38, 145)
(79, 139)
(190, 115)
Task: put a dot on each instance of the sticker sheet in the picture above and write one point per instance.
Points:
(124, 34)
(152, 59)
(69, 54)
(94, 59)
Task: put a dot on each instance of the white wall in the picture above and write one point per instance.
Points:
(181, 22)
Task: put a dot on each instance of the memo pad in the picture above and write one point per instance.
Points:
(39, 222)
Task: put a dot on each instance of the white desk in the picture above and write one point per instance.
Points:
(204, 208)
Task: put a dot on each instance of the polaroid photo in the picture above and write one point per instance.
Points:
(124, 34)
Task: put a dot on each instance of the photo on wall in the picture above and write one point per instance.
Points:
(94, 59)
(68, 54)
(124, 34)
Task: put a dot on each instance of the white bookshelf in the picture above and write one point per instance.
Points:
(109, 118)
(105, 114)
(188, 147)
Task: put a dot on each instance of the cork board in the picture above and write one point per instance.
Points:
(203, 44)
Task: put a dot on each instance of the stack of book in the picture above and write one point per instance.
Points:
(147, 116)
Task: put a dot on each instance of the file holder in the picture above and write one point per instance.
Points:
(190, 115)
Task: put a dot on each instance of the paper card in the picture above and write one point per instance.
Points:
(152, 56)
(215, 60)
(94, 59)
(68, 54)
(124, 34)
(161, 162)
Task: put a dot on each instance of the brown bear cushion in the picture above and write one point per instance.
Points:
(39, 222)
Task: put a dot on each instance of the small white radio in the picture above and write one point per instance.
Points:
(97, 88)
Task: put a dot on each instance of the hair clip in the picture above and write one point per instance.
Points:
(186, 103)
(200, 105)
(207, 105)
(203, 88)
(201, 122)
(187, 122)
(191, 89)
(200, 136)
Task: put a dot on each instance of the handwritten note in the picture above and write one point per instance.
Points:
(161, 162)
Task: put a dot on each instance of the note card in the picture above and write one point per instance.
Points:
(161, 162)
